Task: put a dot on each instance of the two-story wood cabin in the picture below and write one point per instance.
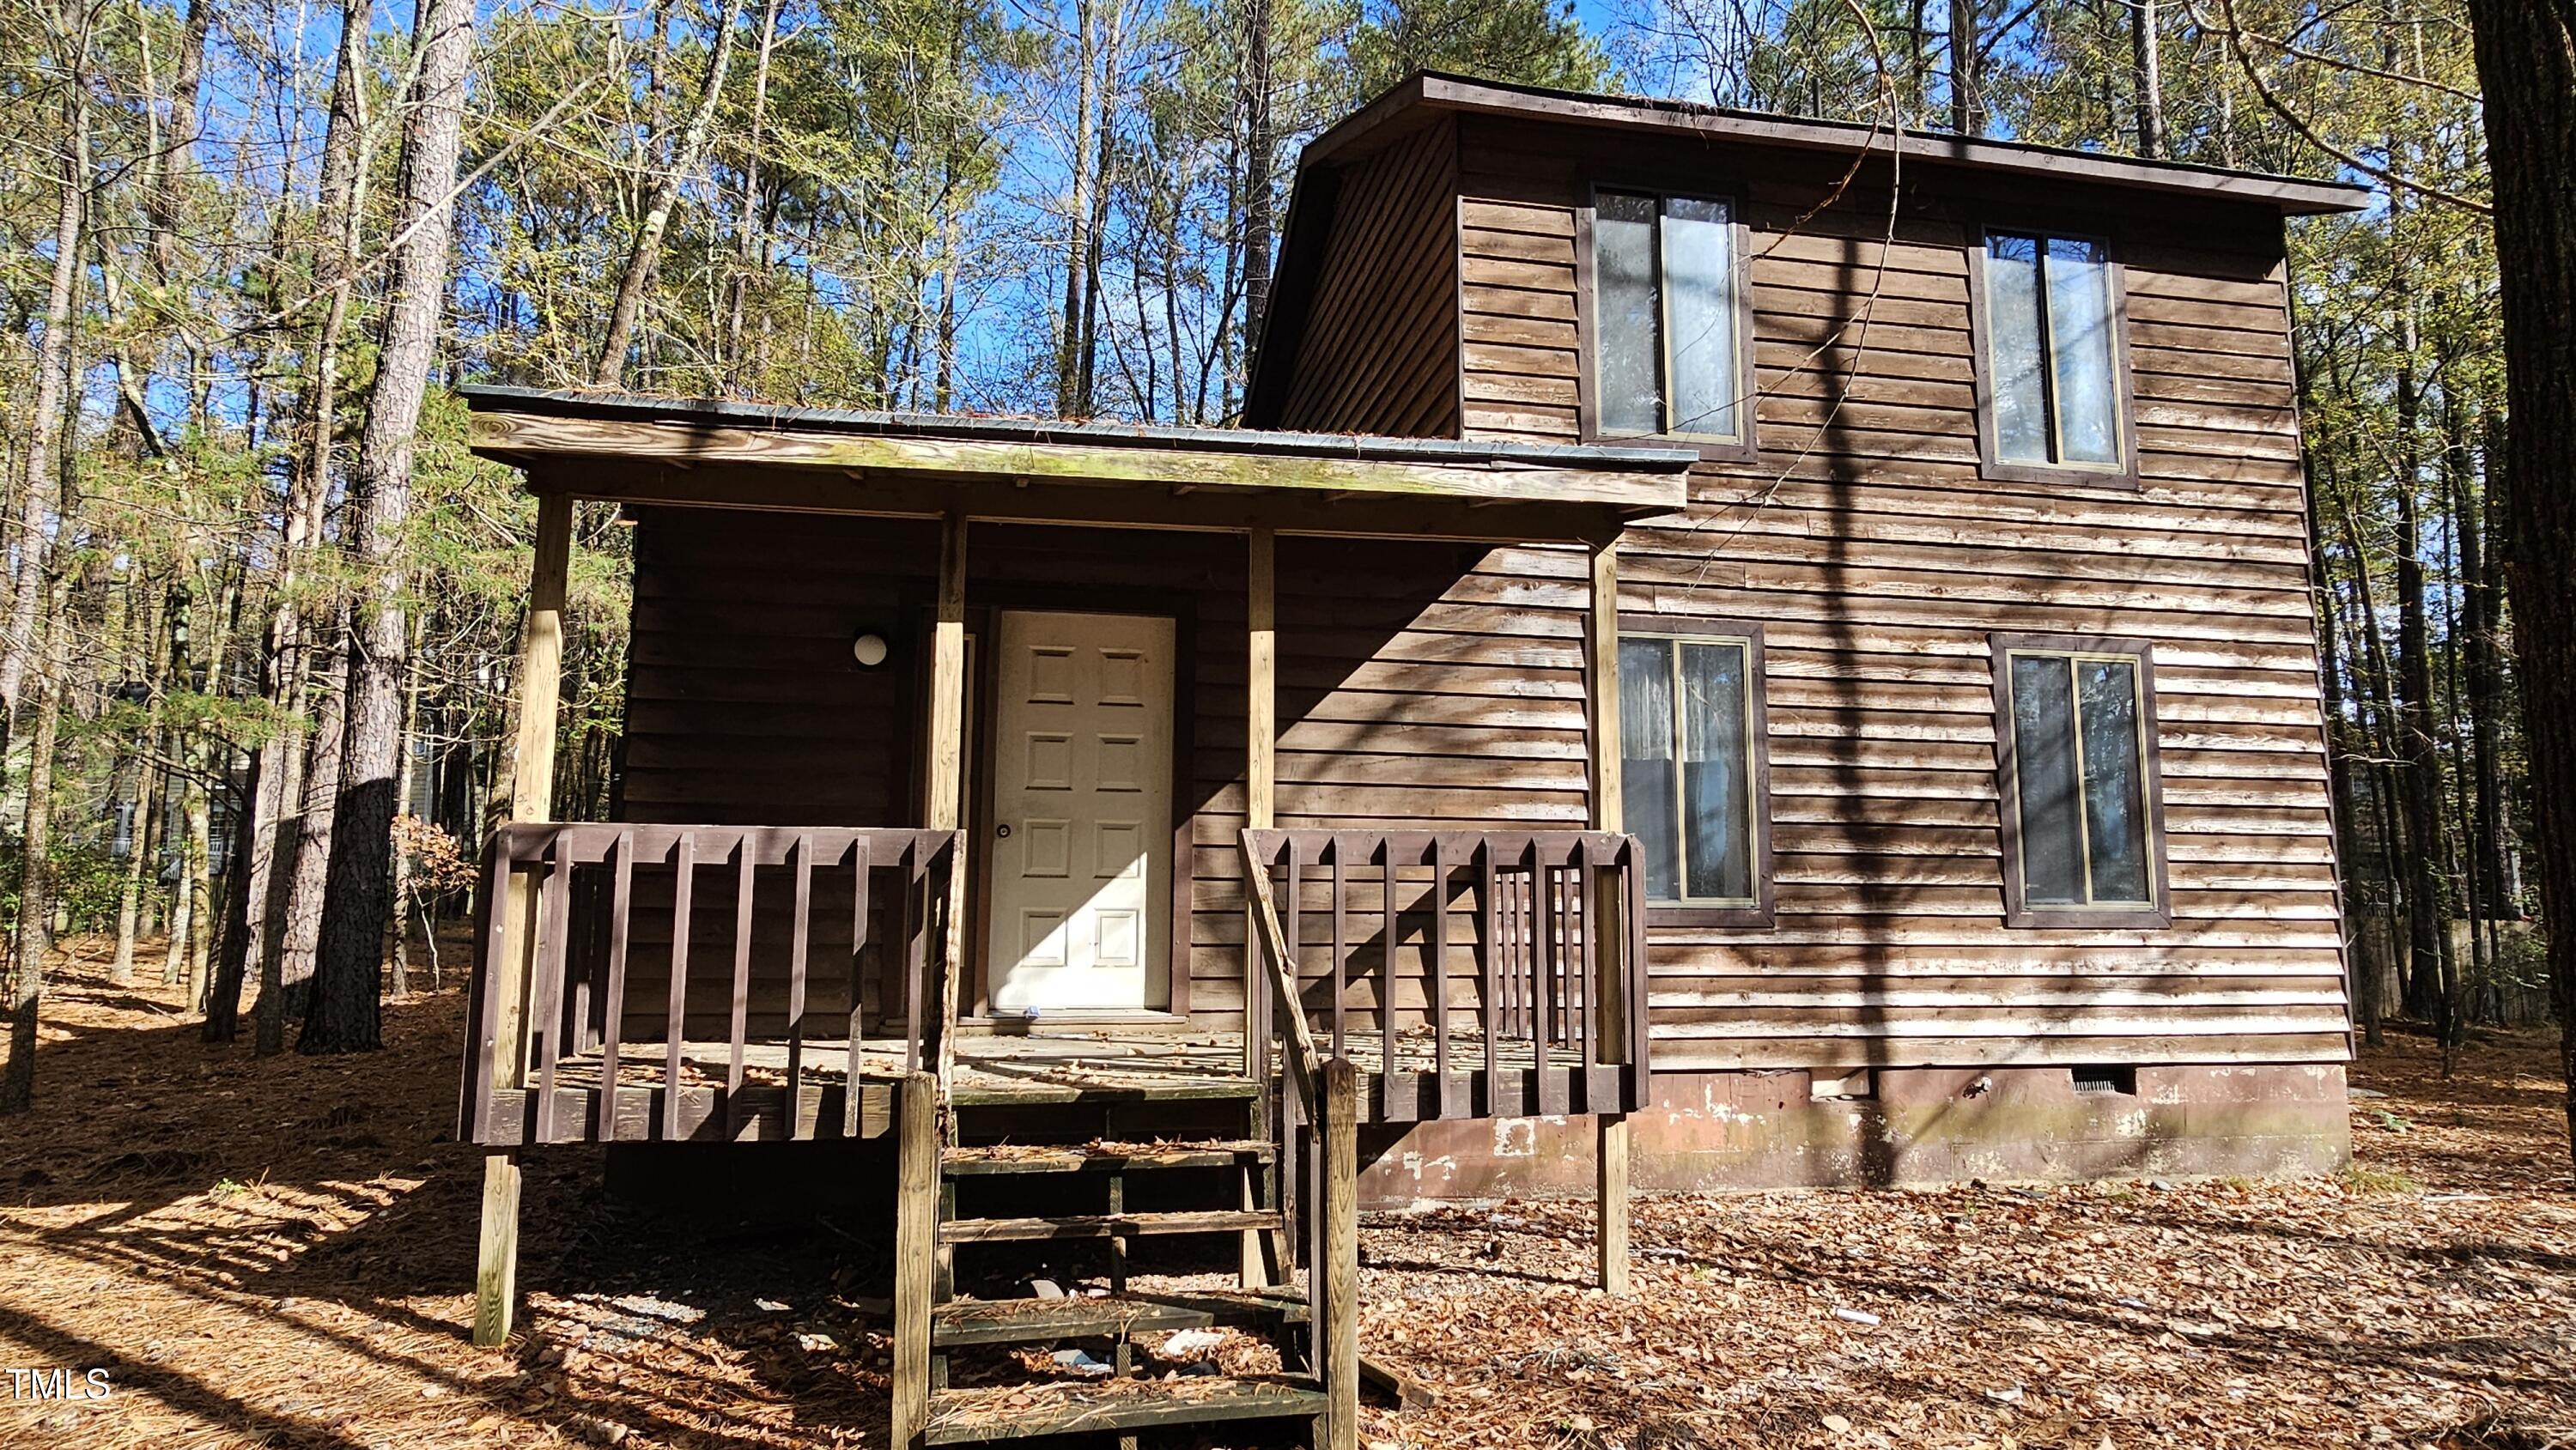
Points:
(1731, 649)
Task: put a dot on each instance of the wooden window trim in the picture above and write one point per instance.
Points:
(2018, 911)
(1762, 912)
(1991, 466)
(1745, 446)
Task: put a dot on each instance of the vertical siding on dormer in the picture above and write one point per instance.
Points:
(1380, 345)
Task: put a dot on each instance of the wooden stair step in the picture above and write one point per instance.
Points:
(1119, 1316)
(1055, 1093)
(1067, 1407)
(1107, 1225)
(1103, 1157)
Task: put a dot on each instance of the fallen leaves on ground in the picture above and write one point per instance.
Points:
(279, 1252)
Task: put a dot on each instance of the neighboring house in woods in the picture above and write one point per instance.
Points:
(1777, 653)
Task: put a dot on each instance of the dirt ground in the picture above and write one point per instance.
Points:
(279, 1253)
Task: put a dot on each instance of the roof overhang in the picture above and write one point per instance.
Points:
(1394, 112)
(689, 451)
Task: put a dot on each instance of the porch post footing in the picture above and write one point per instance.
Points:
(1610, 1161)
(496, 1269)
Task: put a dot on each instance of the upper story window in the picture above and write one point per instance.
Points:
(1667, 358)
(2052, 354)
(2079, 790)
(1691, 768)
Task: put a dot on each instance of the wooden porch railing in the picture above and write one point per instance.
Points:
(557, 999)
(1550, 1015)
(1556, 1010)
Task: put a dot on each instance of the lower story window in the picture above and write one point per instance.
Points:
(2079, 790)
(1689, 747)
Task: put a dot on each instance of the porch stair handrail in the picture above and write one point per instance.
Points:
(1320, 1109)
(1305, 1067)
(1498, 973)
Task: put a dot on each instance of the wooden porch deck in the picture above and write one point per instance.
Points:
(1068, 1065)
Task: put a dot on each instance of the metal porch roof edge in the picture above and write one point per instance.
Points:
(713, 412)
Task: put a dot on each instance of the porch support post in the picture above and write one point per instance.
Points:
(532, 785)
(1261, 694)
(1260, 806)
(532, 779)
(948, 678)
(1337, 1277)
(1610, 1129)
(945, 806)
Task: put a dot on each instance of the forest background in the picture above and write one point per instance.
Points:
(261, 604)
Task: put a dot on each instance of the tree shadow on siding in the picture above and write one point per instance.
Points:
(1847, 635)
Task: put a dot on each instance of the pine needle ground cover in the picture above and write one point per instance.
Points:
(277, 1253)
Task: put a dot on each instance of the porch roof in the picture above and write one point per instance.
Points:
(711, 452)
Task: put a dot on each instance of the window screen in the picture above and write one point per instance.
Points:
(1686, 749)
(2079, 779)
(2051, 352)
(1663, 276)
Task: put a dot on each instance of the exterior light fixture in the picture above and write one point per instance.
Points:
(869, 649)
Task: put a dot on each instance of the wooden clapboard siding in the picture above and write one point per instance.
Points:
(1878, 559)
(1421, 686)
(1378, 347)
(744, 707)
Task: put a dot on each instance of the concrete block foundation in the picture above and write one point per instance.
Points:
(1714, 1132)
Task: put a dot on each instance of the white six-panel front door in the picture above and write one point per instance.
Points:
(1082, 802)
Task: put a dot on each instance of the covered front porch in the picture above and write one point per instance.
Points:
(954, 776)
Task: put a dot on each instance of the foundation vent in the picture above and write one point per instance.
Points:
(1858, 1084)
(2120, 1080)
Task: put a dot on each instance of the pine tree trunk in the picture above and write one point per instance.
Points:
(143, 835)
(182, 920)
(2379, 729)
(2486, 684)
(2147, 48)
(1260, 150)
(611, 370)
(344, 1010)
(2473, 981)
(265, 858)
(2527, 63)
(1086, 395)
(398, 917)
(1967, 111)
(2361, 984)
(26, 992)
(140, 844)
(253, 836)
(198, 939)
(1068, 361)
(2419, 759)
(286, 974)
(54, 368)
(747, 255)
(174, 165)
